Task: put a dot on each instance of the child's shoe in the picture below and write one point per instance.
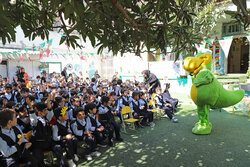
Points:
(174, 120)
(165, 116)
(151, 124)
(76, 158)
(71, 163)
(88, 157)
(96, 154)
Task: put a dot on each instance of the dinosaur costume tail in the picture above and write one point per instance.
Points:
(228, 98)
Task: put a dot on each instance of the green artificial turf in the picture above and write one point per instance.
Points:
(173, 144)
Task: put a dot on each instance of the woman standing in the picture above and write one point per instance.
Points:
(150, 81)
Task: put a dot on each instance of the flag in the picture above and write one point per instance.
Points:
(42, 45)
(10, 54)
(49, 42)
(225, 45)
(17, 54)
(6, 54)
(27, 55)
(41, 54)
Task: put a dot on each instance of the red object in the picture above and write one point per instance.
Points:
(48, 52)
(67, 45)
(52, 121)
(40, 55)
(26, 76)
(8, 57)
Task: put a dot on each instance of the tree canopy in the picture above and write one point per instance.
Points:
(121, 26)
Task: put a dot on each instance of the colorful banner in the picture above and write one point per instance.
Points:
(225, 45)
(217, 54)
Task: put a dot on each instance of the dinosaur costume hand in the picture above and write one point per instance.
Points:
(204, 77)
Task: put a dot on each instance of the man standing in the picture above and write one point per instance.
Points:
(64, 73)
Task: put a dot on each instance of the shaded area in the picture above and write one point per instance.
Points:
(169, 144)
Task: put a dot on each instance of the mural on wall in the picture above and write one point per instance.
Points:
(77, 67)
(69, 67)
(91, 70)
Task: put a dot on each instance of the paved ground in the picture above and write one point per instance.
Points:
(173, 145)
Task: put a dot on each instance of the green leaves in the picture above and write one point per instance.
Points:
(178, 24)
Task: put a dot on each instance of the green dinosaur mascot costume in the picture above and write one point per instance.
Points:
(206, 91)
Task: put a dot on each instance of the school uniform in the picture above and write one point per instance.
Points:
(17, 95)
(71, 113)
(92, 125)
(10, 97)
(135, 108)
(21, 124)
(167, 98)
(13, 154)
(41, 135)
(59, 130)
(117, 90)
(147, 115)
(123, 101)
(160, 103)
(107, 119)
(78, 128)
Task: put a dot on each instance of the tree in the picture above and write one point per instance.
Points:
(121, 26)
(242, 15)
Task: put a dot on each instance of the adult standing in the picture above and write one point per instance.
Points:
(64, 74)
(151, 81)
(22, 76)
(97, 76)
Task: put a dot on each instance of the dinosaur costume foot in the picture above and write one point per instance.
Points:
(202, 129)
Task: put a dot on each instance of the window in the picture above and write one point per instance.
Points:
(231, 29)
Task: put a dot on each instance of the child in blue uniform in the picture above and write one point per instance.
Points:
(79, 129)
(63, 138)
(13, 147)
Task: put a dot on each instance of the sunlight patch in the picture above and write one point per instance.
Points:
(138, 150)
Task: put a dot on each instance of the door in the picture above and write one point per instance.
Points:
(3, 69)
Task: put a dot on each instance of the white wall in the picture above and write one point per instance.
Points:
(30, 67)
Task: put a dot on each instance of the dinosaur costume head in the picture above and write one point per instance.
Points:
(195, 64)
(206, 91)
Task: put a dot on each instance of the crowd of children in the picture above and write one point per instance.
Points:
(61, 115)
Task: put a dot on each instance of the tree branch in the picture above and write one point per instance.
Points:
(126, 16)
(247, 17)
(97, 9)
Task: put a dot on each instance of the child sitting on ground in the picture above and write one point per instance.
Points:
(79, 128)
(63, 138)
(13, 147)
